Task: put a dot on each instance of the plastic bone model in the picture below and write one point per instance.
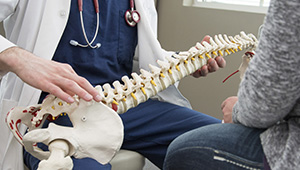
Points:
(97, 130)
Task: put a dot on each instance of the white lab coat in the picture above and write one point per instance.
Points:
(37, 25)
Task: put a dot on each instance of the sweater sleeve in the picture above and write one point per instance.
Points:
(271, 86)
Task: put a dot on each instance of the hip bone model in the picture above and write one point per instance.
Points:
(97, 130)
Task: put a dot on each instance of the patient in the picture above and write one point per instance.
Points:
(266, 129)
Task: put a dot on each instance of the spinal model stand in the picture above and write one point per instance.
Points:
(97, 130)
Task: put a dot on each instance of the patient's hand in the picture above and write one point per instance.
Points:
(227, 107)
(212, 64)
(56, 78)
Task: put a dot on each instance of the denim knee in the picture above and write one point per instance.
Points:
(197, 158)
(216, 147)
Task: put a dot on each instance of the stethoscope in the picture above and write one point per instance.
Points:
(132, 17)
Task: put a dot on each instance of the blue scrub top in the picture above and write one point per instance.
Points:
(118, 42)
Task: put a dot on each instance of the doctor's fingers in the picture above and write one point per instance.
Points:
(221, 61)
(74, 84)
(202, 72)
(58, 92)
(65, 89)
(211, 66)
(215, 64)
(64, 83)
(206, 38)
(81, 87)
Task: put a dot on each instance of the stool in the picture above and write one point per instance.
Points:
(127, 160)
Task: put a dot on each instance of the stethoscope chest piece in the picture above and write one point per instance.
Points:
(132, 17)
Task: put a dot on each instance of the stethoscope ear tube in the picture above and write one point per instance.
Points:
(88, 42)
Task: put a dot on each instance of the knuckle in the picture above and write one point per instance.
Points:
(65, 68)
(66, 65)
(70, 84)
(73, 87)
(53, 90)
(82, 80)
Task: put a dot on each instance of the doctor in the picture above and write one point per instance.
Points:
(37, 56)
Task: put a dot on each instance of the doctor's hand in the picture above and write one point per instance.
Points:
(212, 64)
(227, 107)
(50, 76)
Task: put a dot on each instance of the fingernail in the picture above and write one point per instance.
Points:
(203, 73)
(212, 62)
(219, 59)
(88, 97)
(70, 100)
(98, 98)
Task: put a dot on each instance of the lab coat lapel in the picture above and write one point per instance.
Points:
(52, 26)
(147, 33)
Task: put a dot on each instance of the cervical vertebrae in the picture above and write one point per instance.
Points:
(139, 88)
(97, 130)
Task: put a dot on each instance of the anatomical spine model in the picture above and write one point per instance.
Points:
(97, 130)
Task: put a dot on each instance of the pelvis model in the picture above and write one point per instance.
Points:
(97, 130)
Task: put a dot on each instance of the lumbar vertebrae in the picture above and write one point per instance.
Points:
(97, 130)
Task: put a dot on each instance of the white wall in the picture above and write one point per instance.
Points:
(180, 27)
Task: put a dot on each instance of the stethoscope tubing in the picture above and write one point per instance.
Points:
(132, 17)
(84, 32)
(96, 5)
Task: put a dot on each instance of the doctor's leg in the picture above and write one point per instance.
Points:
(151, 127)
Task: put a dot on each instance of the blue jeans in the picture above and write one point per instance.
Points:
(218, 146)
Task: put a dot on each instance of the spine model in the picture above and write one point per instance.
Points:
(139, 88)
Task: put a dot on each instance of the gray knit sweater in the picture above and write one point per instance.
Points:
(269, 94)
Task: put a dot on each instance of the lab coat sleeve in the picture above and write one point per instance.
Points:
(7, 8)
(4, 44)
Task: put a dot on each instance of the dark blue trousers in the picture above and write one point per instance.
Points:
(149, 129)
